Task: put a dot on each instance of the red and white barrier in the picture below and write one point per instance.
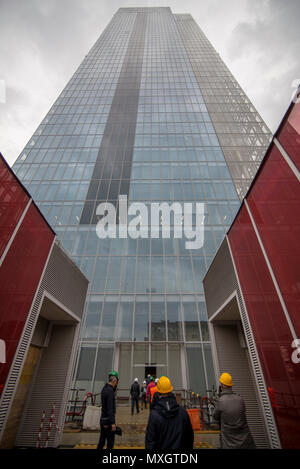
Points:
(38, 441)
(57, 428)
(50, 424)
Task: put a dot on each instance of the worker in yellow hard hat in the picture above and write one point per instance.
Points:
(169, 426)
(226, 380)
(230, 411)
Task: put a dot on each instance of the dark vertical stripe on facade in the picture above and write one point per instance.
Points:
(111, 175)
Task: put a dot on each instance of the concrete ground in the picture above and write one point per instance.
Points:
(133, 429)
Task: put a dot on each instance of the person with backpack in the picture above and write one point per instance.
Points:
(135, 394)
(169, 426)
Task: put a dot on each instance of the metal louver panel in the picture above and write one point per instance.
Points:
(65, 282)
(48, 386)
(221, 283)
(234, 358)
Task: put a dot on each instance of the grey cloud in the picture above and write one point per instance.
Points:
(44, 41)
(269, 42)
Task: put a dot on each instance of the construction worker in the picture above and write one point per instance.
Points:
(144, 390)
(107, 420)
(230, 411)
(169, 426)
(153, 395)
(135, 394)
(150, 385)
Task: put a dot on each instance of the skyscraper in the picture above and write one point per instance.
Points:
(152, 113)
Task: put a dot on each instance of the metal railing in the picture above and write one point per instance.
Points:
(190, 400)
(76, 407)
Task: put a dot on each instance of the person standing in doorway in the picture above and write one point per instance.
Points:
(135, 394)
(107, 420)
(230, 411)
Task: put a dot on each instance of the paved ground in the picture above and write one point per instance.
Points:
(133, 428)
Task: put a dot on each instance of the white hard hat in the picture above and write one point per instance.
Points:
(136, 379)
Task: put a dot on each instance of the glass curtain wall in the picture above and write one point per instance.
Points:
(145, 305)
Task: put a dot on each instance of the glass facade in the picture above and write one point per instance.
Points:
(137, 119)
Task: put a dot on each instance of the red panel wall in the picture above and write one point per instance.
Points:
(270, 328)
(19, 277)
(13, 200)
(274, 201)
(289, 134)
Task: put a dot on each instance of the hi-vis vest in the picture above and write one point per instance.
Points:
(153, 390)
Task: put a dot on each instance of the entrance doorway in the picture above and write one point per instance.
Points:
(232, 354)
(137, 360)
(150, 370)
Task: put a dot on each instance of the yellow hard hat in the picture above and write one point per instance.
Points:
(226, 379)
(164, 385)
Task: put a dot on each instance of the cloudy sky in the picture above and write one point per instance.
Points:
(42, 42)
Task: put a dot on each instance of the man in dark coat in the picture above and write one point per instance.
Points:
(169, 426)
(230, 411)
(135, 394)
(107, 420)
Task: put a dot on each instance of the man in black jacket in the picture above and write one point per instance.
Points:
(107, 420)
(169, 426)
(135, 394)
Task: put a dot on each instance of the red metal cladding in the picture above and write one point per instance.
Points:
(270, 328)
(274, 201)
(19, 277)
(289, 134)
(13, 200)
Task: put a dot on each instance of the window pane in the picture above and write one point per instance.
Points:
(190, 314)
(174, 318)
(93, 318)
(158, 319)
(141, 322)
(103, 367)
(125, 318)
(196, 373)
(108, 319)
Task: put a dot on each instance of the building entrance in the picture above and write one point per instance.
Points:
(150, 370)
(137, 360)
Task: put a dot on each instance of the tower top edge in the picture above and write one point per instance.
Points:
(142, 9)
